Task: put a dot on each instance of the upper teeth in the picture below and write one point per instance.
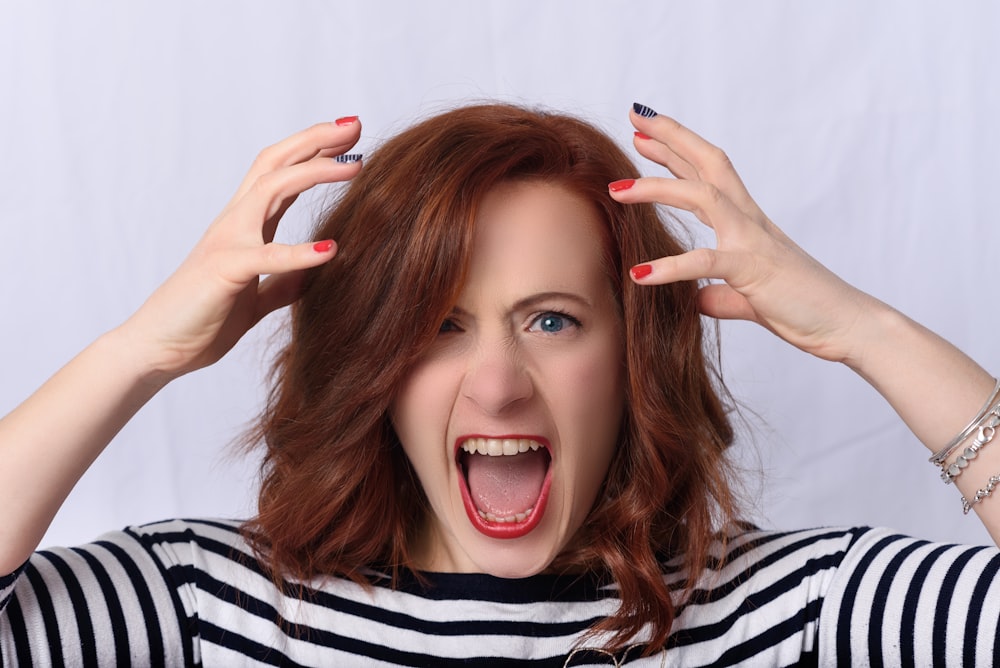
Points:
(495, 447)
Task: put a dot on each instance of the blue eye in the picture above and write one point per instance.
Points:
(551, 322)
(447, 326)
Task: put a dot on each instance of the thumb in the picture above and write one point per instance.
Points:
(277, 291)
(718, 300)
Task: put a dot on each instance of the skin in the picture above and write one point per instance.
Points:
(216, 295)
(509, 362)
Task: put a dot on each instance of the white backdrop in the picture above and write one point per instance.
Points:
(869, 131)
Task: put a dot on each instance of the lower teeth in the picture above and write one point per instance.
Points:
(509, 519)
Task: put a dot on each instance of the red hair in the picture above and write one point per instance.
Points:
(404, 228)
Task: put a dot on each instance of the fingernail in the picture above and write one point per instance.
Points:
(323, 246)
(642, 135)
(346, 120)
(348, 157)
(643, 110)
(624, 184)
(641, 271)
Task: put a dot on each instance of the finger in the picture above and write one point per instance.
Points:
(704, 200)
(271, 224)
(335, 138)
(242, 265)
(278, 291)
(661, 154)
(701, 263)
(273, 192)
(718, 300)
(709, 162)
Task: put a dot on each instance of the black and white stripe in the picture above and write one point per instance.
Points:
(191, 593)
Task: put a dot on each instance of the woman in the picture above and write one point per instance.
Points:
(494, 435)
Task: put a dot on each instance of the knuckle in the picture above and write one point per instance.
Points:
(266, 186)
(717, 162)
(718, 157)
(710, 195)
(275, 255)
(703, 261)
(269, 157)
(673, 125)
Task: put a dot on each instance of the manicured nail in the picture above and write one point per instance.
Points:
(643, 110)
(641, 271)
(624, 184)
(641, 135)
(346, 120)
(348, 157)
(324, 246)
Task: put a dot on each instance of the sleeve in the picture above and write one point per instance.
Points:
(108, 603)
(899, 601)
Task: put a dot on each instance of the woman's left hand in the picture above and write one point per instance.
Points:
(933, 386)
(767, 278)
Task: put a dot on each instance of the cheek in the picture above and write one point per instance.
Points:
(421, 410)
(601, 403)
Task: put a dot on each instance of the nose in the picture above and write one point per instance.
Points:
(496, 379)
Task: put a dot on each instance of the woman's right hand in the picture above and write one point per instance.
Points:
(216, 294)
(190, 321)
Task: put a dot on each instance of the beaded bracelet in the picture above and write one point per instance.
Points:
(987, 429)
(942, 454)
(991, 484)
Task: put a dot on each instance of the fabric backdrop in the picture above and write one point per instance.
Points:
(868, 131)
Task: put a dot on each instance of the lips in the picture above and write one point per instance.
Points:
(504, 482)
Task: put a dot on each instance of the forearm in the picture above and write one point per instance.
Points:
(189, 322)
(49, 441)
(935, 388)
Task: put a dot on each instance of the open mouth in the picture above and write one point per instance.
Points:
(504, 483)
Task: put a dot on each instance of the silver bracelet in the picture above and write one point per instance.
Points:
(991, 484)
(943, 454)
(987, 429)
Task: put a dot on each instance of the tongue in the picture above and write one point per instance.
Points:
(506, 485)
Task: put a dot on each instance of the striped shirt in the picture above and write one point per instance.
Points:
(189, 592)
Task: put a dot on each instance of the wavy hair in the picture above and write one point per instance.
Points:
(405, 227)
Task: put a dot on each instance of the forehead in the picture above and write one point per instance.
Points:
(533, 229)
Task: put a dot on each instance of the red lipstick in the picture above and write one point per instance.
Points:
(503, 530)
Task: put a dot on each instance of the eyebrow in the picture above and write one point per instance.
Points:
(538, 298)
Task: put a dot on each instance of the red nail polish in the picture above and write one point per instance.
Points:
(641, 271)
(642, 135)
(346, 120)
(624, 184)
(323, 246)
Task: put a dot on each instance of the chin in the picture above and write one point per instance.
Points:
(513, 565)
(515, 558)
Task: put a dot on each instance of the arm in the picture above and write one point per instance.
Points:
(766, 278)
(190, 322)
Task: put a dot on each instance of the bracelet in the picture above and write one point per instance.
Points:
(986, 432)
(991, 484)
(942, 454)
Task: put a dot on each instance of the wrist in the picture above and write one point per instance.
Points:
(876, 329)
(134, 358)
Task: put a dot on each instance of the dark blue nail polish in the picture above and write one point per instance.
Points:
(643, 110)
(348, 157)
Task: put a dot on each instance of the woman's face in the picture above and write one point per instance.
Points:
(511, 418)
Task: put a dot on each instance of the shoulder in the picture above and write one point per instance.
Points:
(760, 597)
(213, 535)
(744, 551)
(905, 598)
(185, 548)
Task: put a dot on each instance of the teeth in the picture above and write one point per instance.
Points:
(497, 447)
(509, 519)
